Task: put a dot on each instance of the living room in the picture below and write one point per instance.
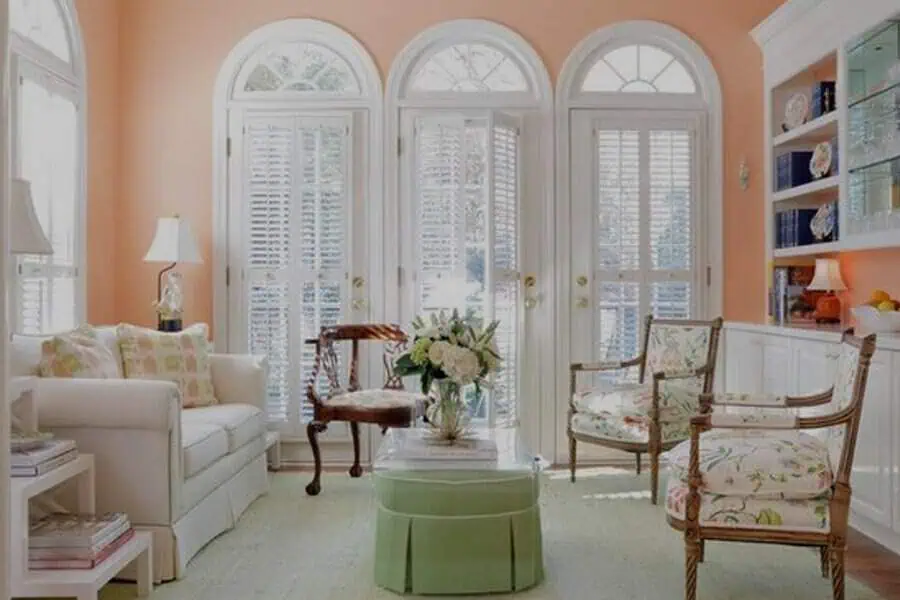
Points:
(417, 297)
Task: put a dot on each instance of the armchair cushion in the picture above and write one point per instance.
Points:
(241, 422)
(678, 400)
(759, 464)
(752, 512)
(374, 399)
(626, 426)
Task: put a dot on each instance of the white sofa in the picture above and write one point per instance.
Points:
(187, 475)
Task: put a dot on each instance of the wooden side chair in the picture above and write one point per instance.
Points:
(388, 406)
(676, 364)
(759, 477)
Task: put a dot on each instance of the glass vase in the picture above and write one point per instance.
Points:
(448, 414)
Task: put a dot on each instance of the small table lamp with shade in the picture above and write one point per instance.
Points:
(173, 243)
(827, 278)
(26, 236)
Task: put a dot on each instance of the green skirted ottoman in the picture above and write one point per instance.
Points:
(449, 531)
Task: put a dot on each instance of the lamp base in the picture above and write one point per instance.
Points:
(169, 325)
(828, 309)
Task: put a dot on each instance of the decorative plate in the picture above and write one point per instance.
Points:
(820, 163)
(824, 221)
(796, 110)
(23, 442)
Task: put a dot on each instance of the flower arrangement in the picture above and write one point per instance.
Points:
(447, 354)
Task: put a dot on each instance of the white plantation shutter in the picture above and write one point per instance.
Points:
(466, 189)
(46, 155)
(504, 247)
(643, 232)
(296, 254)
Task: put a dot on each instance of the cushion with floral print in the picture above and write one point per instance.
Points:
(752, 512)
(375, 399)
(626, 427)
(758, 463)
(678, 400)
(677, 347)
(77, 354)
(181, 357)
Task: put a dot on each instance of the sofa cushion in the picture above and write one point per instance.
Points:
(201, 445)
(78, 354)
(181, 357)
(241, 422)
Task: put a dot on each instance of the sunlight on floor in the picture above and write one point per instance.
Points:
(588, 472)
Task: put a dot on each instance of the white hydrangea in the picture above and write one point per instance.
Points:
(437, 354)
(461, 365)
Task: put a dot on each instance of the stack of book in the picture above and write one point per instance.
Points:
(73, 541)
(49, 456)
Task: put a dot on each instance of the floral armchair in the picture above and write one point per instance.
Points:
(760, 477)
(676, 364)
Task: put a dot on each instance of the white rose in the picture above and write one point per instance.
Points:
(437, 353)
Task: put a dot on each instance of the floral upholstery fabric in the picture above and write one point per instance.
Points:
(677, 348)
(374, 399)
(77, 354)
(621, 411)
(733, 399)
(760, 420)
(181, 357)
(760, 464)
(751, 511)
(844, 382)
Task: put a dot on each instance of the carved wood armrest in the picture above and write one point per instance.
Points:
(610, 365)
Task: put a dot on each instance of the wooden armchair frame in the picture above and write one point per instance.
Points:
(655, 446)
(327, 361)
(832, 545)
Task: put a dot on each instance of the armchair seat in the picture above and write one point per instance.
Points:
(374, 399)
(757, 463)
(751, 512)
(625, 425)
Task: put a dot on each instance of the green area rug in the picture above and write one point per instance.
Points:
(602, 540)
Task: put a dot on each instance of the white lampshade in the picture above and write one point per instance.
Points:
(173, 243)
(827, 276)
(26, 236)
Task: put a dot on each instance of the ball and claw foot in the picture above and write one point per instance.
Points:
(313, 488)
(356, 471)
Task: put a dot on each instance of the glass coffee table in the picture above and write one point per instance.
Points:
(453, 523)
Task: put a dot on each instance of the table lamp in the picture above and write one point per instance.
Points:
(827, 278)
(173, 243)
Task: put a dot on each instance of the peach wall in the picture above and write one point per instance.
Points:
(171, 51)
(865, 272)
(99, 21)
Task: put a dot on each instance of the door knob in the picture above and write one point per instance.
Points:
(530, 303)
(358, 282)
(582, 302)
(581, 280)
(358, 304)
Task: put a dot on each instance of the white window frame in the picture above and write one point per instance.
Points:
(570, 97)
(229, 100)
(26, 54)
(535, 107)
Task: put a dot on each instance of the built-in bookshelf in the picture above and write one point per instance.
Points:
(832, 129)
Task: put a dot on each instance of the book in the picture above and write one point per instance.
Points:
(44, 467)
(79, 552)
(49, 450)
(475, 448)
(82, 563)
(74, 530)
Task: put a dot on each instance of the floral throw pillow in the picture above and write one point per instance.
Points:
(77, 354)
(181, 357)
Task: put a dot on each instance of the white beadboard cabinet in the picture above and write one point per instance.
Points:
(789, 360)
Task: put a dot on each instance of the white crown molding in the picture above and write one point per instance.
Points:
(782, 18)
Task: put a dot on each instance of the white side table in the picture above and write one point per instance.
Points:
(83, 584)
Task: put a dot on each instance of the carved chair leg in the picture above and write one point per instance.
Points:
(825, 559)
(692, 553)
(654, 474)
(837, 572)
(355, 470)
(572, 458)
(637, 462)
(313, 428)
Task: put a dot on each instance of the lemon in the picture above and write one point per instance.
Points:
(880, 296)
(885, 306)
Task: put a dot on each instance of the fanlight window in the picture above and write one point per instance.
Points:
(639, 68)
(41, 22)
(301, 67)
(470, 68)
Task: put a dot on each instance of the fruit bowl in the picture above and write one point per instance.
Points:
(877, 321)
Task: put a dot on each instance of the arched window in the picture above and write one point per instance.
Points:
(48, 146)
(638, 189)
(470, 109)
(297, 186)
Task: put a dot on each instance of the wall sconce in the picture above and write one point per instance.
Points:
(744, 175)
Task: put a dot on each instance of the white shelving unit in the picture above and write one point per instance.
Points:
(803, 42)
(82, 584)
